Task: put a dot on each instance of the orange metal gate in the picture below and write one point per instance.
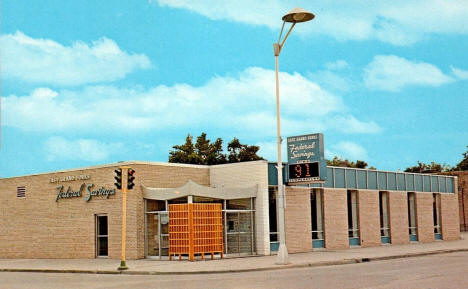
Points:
(195, 229)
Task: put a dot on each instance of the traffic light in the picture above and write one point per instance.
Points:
(118, 179)
(130, 179)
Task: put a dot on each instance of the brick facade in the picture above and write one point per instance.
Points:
(424, 217)
(298, 220)
(398, 214)
(449, 217)
(462, 198)
(369, 218)
(335, 219)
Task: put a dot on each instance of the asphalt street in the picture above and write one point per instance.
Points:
(435, 271)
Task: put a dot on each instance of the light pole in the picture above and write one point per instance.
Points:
(294, 16)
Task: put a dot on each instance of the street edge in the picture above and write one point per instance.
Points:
(271, 268)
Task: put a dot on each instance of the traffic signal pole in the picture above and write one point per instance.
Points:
(123, 265)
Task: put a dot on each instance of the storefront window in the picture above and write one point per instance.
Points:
(436, 215)
(413, 229)
(384, 218)
(274, 239)
(353, 220)
(316, 214)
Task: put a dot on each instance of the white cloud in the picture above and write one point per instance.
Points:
(49, 62)
(348, 150)
(399, 22)
(460, 73)
(59, 148)
(392, 73)
(243, 104)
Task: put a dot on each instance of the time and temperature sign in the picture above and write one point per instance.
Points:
(306, 162)
(304, 172)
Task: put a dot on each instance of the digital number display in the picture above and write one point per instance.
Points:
(304, 172)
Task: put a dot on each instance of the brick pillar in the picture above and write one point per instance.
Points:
(369, 218)
(424, 217)
(398, 214)
(298, 220)
(449, 217)
(335, 214)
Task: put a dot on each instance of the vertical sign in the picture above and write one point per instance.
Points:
(306, 160)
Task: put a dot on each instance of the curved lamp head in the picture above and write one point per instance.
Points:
(298, 15)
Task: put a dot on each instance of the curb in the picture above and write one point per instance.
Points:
(270, 268)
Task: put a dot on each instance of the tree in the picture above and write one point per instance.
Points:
(206, 153)
(241, 152)
(463, 164)
(431, 168)
(339, 162)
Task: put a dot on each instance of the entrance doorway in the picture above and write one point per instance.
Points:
(102, 237)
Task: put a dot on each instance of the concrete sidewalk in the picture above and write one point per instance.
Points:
(318, 258)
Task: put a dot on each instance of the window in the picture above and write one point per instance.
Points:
(274, 238)
(436, 215)
(316, 214)
(21, 192)
(384, 219)
(413, 229)
(353, 219)
(101, 236)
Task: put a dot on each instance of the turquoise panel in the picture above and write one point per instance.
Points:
(372, 180)
(340, 178)
(382, 181)
(435, 183)
(442, 184)
(385, 240)
(418, 183)
(274, 246)
(391, 181)
(351, 179)
(362, 179)
(330, 176)
(450, 185)
(438, 236)
(427, 183)
(413, 238)
(401, 182)
(354, 242)
(318, 244)
(410, 182)
(273, 174)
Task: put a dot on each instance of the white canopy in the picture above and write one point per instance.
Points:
(193, 189)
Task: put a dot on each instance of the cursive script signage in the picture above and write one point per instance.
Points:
(306, 160)
(86, 191)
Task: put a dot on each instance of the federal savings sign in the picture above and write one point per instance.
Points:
(86, 190)
(306, 161)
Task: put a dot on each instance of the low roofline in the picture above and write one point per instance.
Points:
(125, 163)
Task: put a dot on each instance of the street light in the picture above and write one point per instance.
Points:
(296, 15)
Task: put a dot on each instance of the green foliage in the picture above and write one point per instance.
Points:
(428, 168)
(206, 153)
(463, 164)
(339, 162)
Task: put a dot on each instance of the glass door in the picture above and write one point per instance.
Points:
(102, 237)
(157, 230)
(239, 232)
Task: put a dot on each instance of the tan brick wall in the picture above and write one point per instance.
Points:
(335, 219)
(449, 217)
(398, 214)
(246, 174)
(298, 220)
(369, 218)
(424, 217)
(39, 227)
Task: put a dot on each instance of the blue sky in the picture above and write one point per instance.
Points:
(95, 82)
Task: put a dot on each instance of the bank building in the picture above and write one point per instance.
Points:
(77, 213)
